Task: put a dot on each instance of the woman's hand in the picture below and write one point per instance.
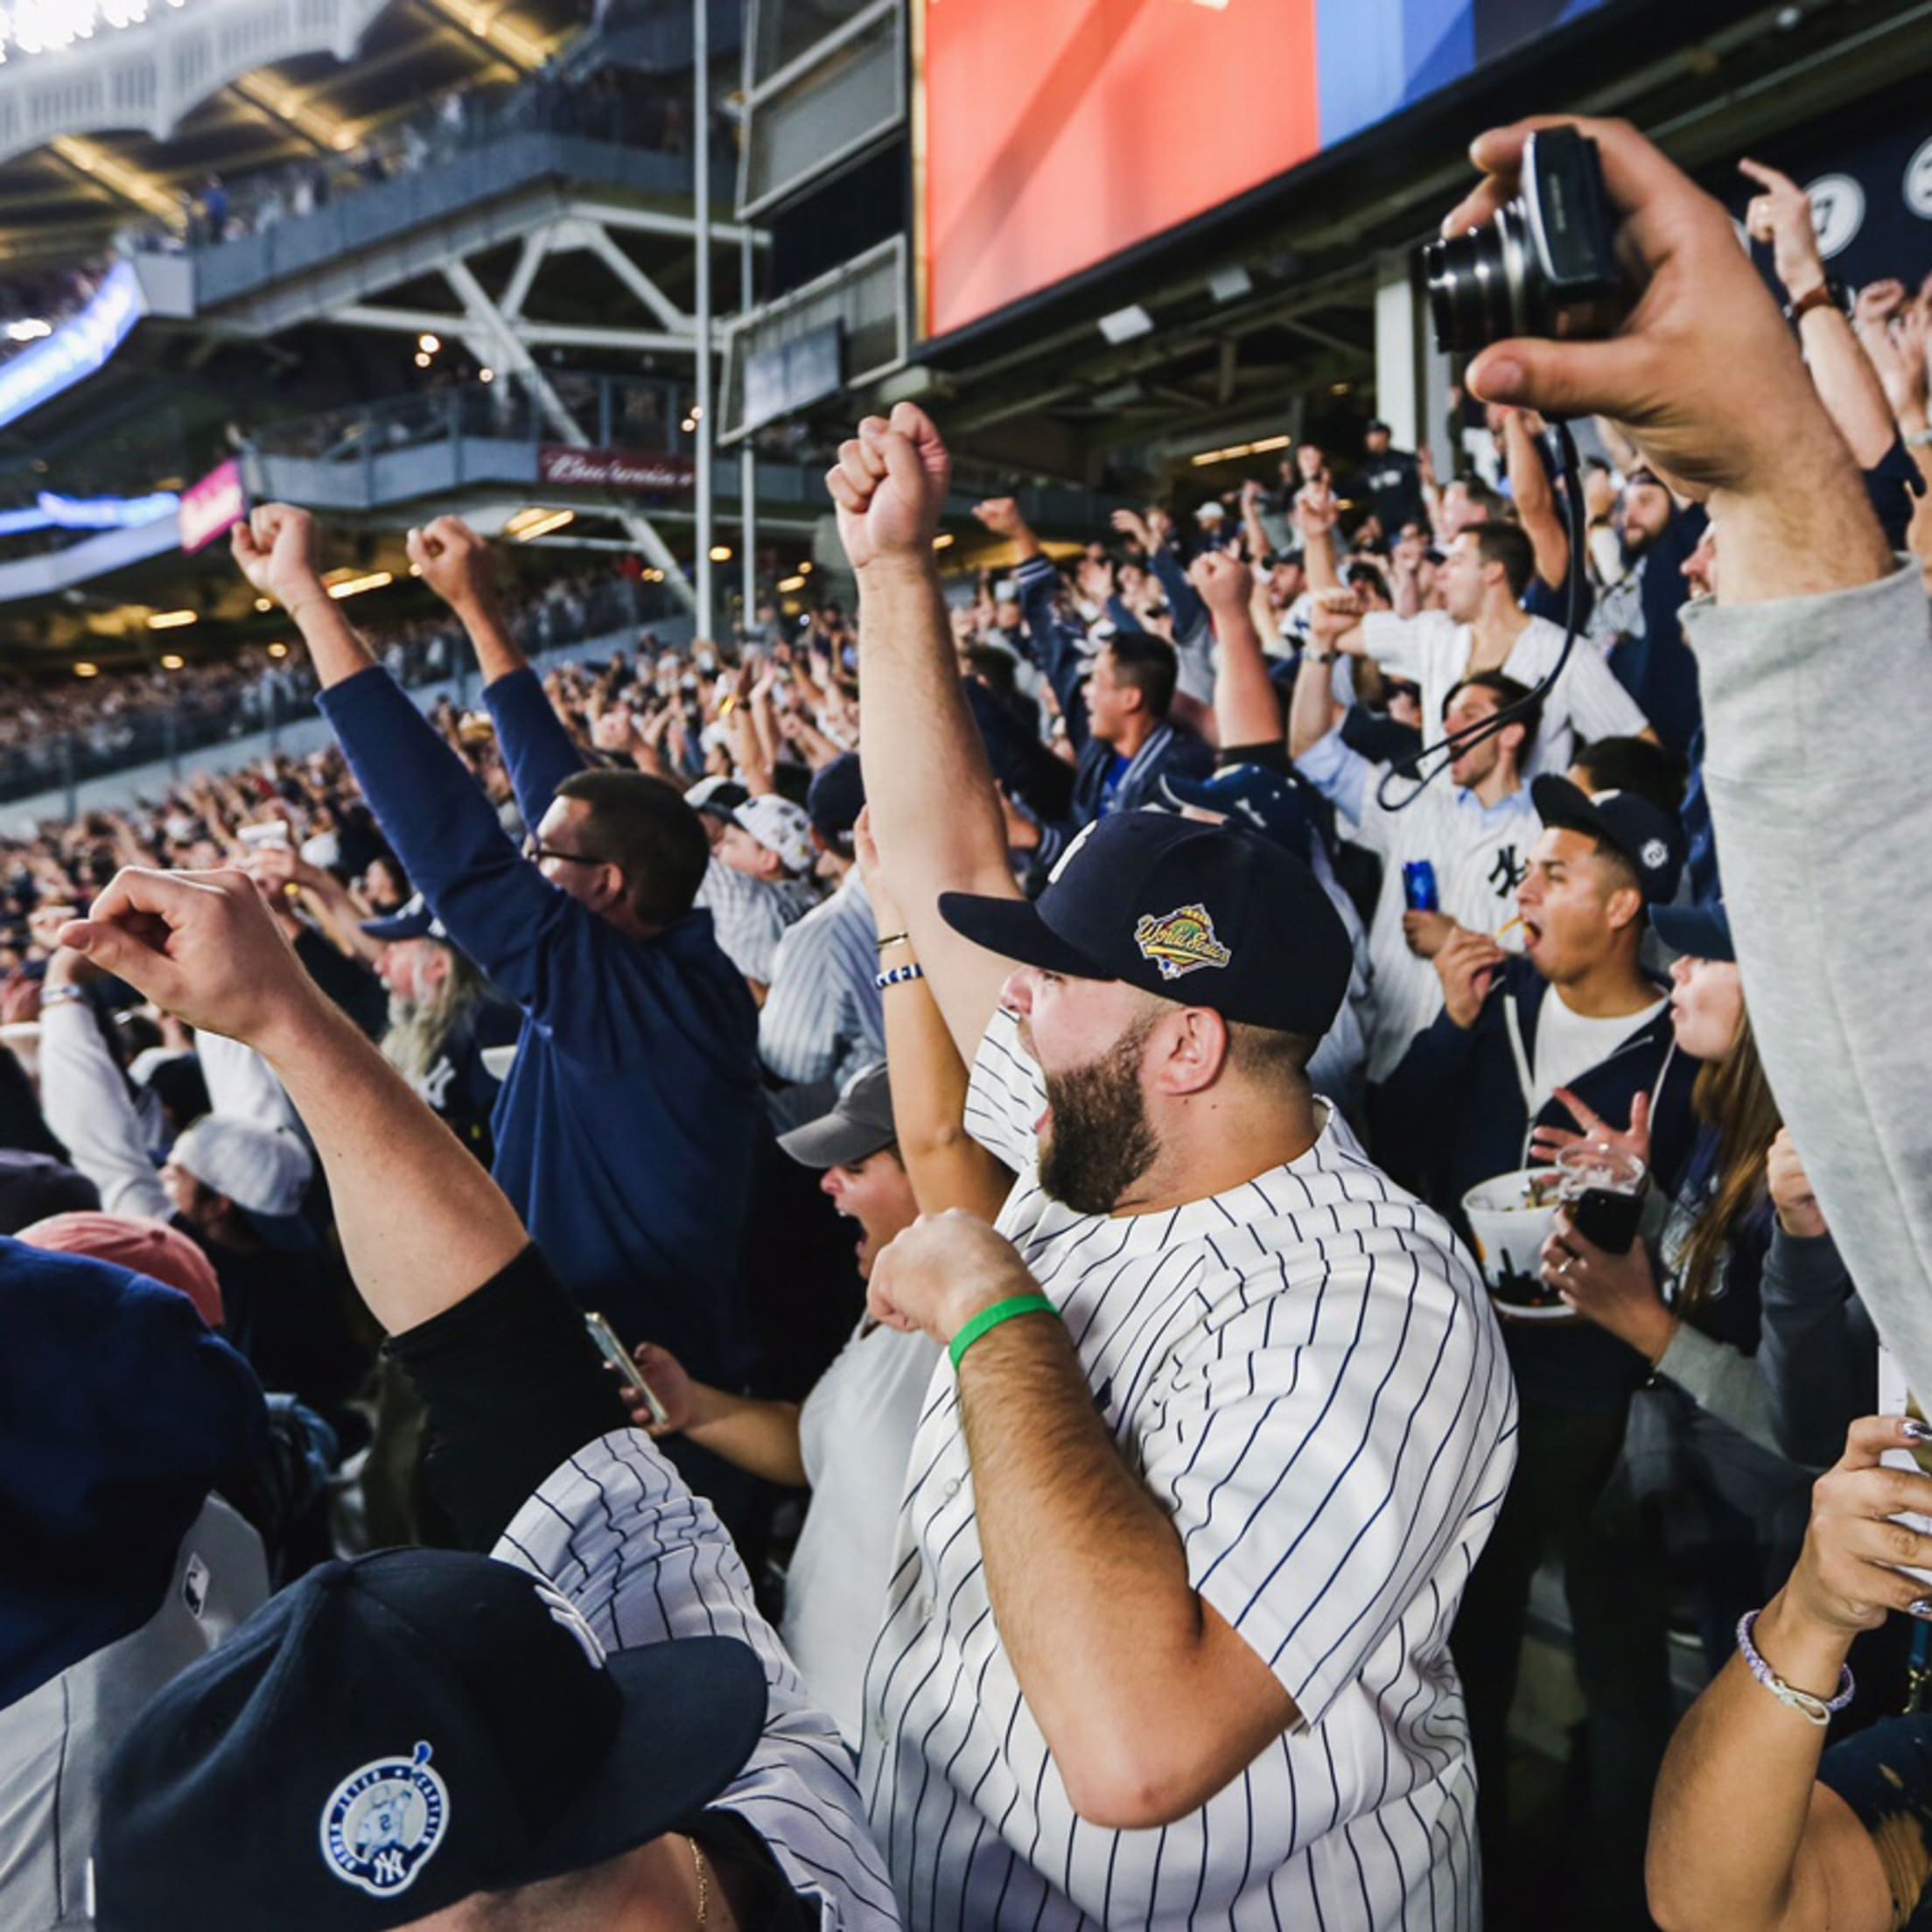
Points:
(1549, 1142)
(1799, 1213)
(1618, 1292)
(1848, 1577)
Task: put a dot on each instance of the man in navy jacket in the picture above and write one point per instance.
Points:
(1526, 1049)
(627, 1133)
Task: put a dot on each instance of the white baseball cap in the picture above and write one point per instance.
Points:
(264, 1171)
(780, 827)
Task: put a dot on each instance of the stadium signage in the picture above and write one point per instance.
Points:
(75, 350)
(642, 473)
(213, 506)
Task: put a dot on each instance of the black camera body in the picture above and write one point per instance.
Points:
(1546, 266)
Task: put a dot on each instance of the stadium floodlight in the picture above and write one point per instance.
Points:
(51, 26)
(1124, 325)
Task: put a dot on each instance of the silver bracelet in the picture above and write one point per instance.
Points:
(1817, 1711)
(61, 996)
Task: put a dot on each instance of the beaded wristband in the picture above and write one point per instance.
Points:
(897, 976)
(991, 1317)
(1817, 1711)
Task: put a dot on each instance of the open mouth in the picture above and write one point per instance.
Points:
(1532, 931)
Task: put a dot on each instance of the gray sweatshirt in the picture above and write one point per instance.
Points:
(1819, 719)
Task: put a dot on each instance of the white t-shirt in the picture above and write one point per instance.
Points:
(855, 1433)
(1433, 650)
(1480, 853)
(1307, 1375)
(1569, 1044)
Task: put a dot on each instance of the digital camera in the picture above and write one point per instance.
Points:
(1546, 266)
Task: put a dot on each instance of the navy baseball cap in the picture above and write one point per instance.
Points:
(1207, 916)
(721, 797)
(1646, 836)
(1250, 794)
(1695, 932)
(413, 921)
(391, 1736)
(836, 797)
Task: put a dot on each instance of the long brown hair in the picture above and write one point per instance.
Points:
(1732, 1096)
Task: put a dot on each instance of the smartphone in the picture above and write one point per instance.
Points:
(273, 838)
(619, 1356)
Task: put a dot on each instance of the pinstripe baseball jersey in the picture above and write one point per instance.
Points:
(750, 915)
(1307, 1375)
(823, 1021)
(645, 1560)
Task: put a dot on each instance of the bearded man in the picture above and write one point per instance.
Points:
(1228, 1416)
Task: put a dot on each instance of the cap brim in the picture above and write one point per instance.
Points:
(390, 931)
(837, 1140)
(693, 1711)
(1013, 929)
(1567, 807)
(1198, 792)
(1695, 932)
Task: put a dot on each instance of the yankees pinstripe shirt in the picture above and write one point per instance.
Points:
(1307, 1375)
(645, 1560)
(823, 1021)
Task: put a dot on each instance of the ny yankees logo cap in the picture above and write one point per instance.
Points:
(388, 1737)
(1209, 915)
(1646, 835)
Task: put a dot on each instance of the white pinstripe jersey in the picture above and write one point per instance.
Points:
(616, 1530)
(1307, 1374)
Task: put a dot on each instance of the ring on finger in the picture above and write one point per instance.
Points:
(1566, 1264)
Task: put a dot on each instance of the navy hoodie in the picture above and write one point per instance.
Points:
(627, 1133)
(1456, 1110)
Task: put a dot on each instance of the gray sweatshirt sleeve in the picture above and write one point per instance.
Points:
(1722, 1380)
(1824, 818)
(1815, 1349)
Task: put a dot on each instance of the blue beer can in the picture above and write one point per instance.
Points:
(1419, 887)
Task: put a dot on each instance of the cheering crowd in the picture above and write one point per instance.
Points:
(957, 1270)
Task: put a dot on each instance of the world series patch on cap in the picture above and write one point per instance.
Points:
(1209, 915)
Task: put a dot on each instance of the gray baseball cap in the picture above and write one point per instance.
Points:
(856, 1128)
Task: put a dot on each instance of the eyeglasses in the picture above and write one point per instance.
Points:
(538, 853)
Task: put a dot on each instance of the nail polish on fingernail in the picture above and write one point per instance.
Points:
(1915, 1431)
(1922, 1607)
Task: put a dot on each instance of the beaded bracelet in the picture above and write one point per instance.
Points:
(897, 976)
(1817, 1711)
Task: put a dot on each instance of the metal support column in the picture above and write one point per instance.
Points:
(700, 176)
(747, 465)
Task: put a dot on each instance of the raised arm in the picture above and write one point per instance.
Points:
(1246, 707)
(1335, 625)
(86, 1100)
(538, 753)
(1742, 1836)
(421, 1222)
(1536, 500)
(946, 1165)
(1780, 215)
(935, 813)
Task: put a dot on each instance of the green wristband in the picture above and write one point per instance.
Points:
(991, 1317)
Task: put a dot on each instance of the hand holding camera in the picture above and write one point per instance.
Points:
(1701, 367)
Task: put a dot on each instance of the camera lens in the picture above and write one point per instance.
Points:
(1477, 292)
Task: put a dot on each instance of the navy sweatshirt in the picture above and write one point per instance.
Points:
(627, 1133)
(1457, 1107)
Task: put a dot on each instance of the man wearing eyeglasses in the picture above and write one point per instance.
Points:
(627, 1133)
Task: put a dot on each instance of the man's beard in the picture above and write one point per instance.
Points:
(1101, 1141)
